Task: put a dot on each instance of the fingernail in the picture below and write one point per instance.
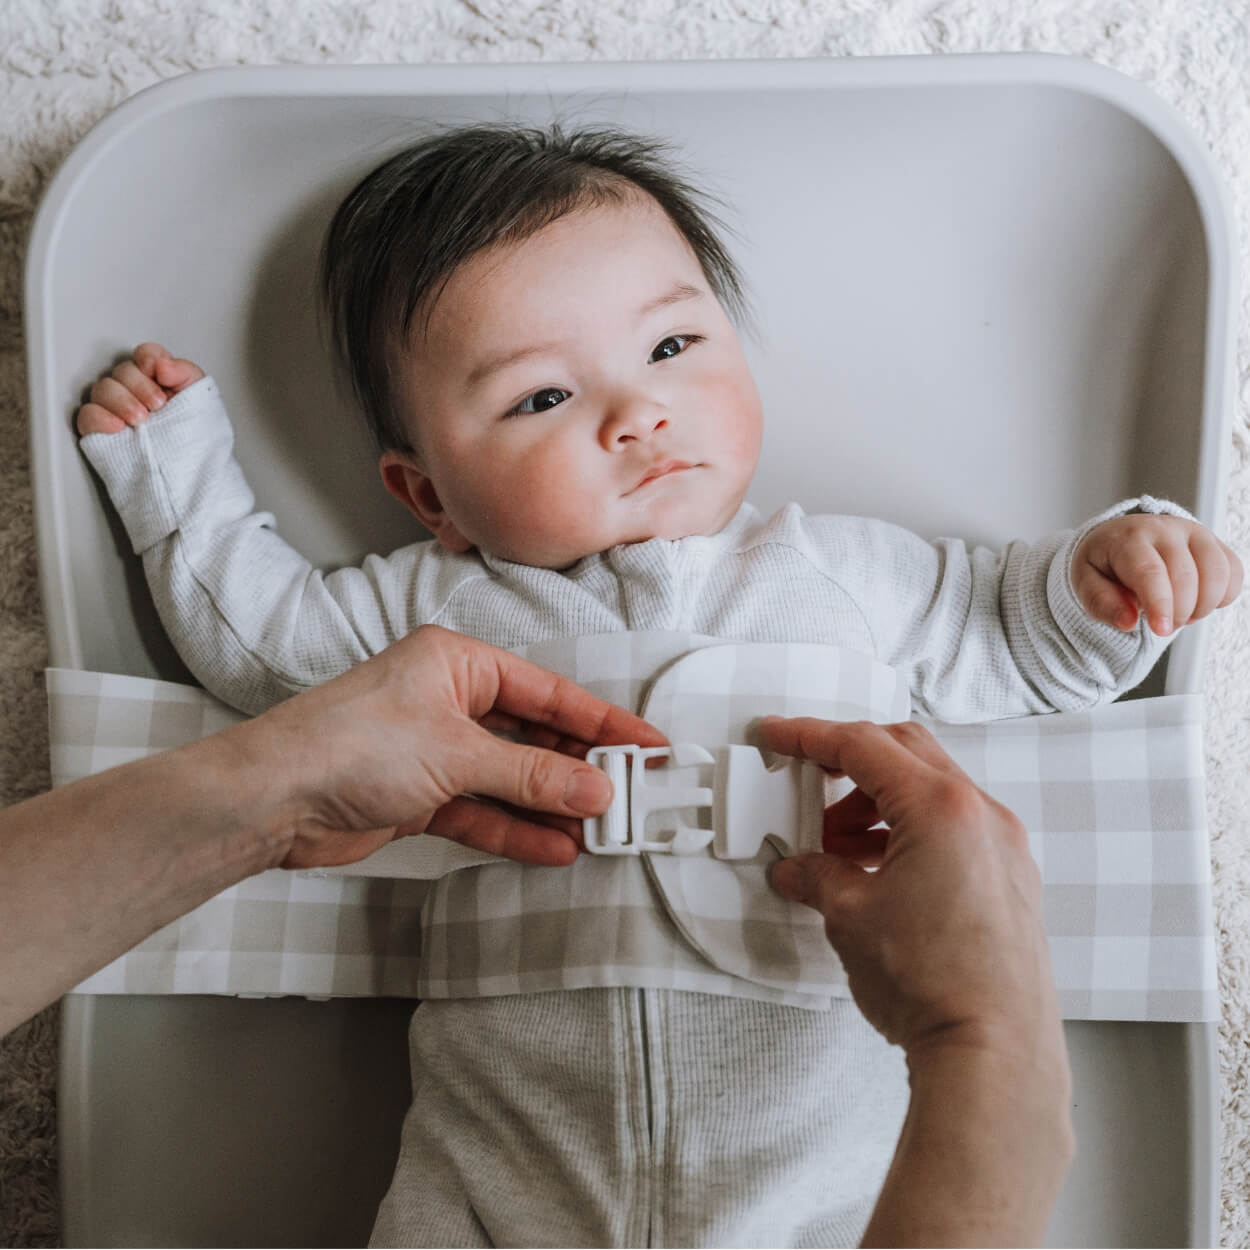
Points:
(158, 402)
(1165, 625)
(786, 878)
(587, 792)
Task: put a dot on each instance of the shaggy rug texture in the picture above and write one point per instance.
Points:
(65, 63)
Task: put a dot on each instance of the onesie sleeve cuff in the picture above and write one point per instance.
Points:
(1128, 654)
(174, 469)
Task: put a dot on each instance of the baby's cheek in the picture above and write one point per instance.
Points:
(542, 494)
(742, 429)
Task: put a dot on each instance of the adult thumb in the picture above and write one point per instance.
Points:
(818, 880)
(537, 778)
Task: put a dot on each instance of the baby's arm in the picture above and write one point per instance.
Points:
(984, 634)
(252, 619)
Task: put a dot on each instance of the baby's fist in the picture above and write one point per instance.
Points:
(135, 389)
(1173, 570)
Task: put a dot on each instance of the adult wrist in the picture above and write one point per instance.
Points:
(1014, 1085)
(1029, 1050)
(986, 1145)
(257, 775)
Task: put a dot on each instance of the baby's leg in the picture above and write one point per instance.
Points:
(517, 1134)
(625, 1117)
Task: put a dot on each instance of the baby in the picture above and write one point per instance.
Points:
(538, 327)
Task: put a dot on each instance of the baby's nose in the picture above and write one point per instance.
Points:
(628, 422)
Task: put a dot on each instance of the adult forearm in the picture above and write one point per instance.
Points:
(984, 1149)
(394, 747)
(91, 868)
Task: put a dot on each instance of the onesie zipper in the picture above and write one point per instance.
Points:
(650, 1114)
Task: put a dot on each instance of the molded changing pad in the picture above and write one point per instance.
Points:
(994, 296)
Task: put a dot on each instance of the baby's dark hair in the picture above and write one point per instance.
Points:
(401, 233)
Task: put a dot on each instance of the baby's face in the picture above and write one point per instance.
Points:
(577, 390)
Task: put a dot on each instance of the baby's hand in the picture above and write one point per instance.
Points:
(1173, 570)
(135, 390)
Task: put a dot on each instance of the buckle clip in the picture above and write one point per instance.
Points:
(749, 802)
(621, 830)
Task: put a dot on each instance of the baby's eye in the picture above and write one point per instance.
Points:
(539, 401)
(674, 345)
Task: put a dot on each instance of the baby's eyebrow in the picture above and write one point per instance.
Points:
(492, 364)
(682, 291)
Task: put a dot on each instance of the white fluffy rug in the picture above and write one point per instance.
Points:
(64, 63)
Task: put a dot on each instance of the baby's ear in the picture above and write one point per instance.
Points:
(404, 477)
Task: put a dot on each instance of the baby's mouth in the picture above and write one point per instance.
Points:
(661, 469)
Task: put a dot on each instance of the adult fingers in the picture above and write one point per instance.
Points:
(853, 813)
(499, 722)
(536, 735)
(488, 828)
(867, 849)
(861, 750)
(530, 777)
(570, 826)
(824, 882)
(552, 740)
(535, 694)
(898, 767)
(848, 830)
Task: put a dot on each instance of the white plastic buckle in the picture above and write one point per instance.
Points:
(748, 802)
(621, 830)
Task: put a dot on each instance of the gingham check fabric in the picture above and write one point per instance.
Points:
(1112, 798)
(276, 933)
(608, 920)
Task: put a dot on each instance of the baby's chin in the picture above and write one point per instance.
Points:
(674, 519)
(567, 550)
(565, 557)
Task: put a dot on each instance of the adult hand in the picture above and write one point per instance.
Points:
(387, 749)
(947, 933)
(397, 745)
(945, 954)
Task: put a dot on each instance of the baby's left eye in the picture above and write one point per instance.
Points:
(674, 345)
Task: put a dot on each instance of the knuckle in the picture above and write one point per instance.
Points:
(465, 822)
(837, 929)
(959, 798)
(537, 776)
(912, 732)
(1013, 826)
(1185, 575)
(1143, 565)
